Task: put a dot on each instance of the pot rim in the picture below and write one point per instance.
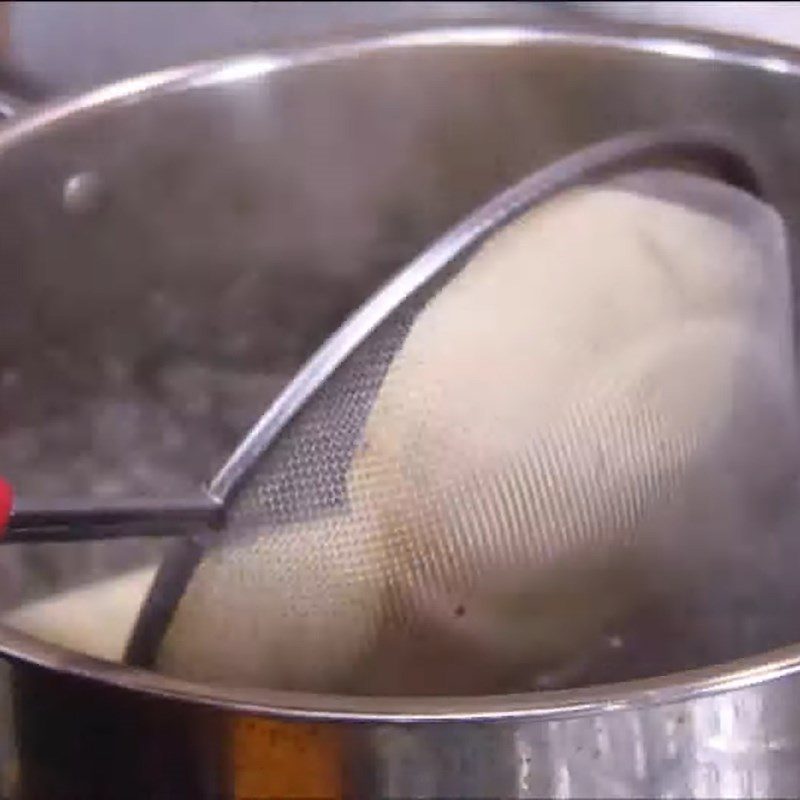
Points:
(21, 648)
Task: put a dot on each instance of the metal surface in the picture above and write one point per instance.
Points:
(444, 118)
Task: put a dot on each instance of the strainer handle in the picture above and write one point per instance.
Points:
(6, 504)
(78, 521)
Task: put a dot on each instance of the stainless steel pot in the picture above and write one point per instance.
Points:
(324, 169)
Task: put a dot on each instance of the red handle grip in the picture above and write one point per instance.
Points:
(6, 503)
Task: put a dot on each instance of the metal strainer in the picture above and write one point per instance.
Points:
(392, 529)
